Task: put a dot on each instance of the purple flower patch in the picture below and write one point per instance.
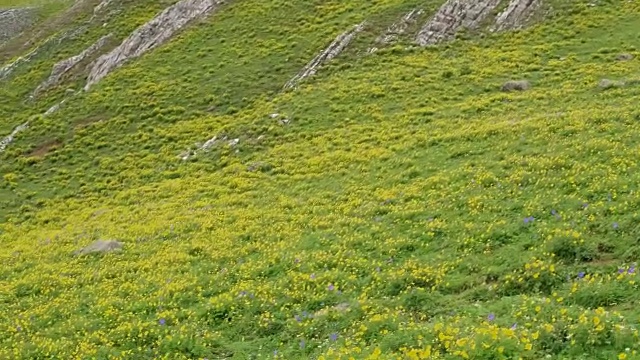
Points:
(333, 337)
(331, 287)
(491, 317)
(162, 322)
(581, 275)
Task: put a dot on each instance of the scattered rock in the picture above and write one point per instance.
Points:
(54, 108)
(234, 142)
(516, 14)
(150, 35)
(453, 16)
(9, 138)
(624, 57)
(100, 246)
(516, 85)
(333, 50)
(102, 6)
(66, 65)
(608, 84)
(274, 115)
(399, 28)
(6, 70)
(342, 308)
(15, 21)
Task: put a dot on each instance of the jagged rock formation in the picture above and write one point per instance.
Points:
(14, 21)
(453, 16)
(66, 65)
(151, 35)
(333, 50)
(9, 138)
(516, 14)
(400, 27)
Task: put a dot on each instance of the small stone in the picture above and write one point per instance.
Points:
(624, 57)
(100, 246)
(516, 85)
(608, 84)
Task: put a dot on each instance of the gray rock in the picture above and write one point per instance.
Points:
(100, 246)
(516, 85)
(399, 27)
(453, 16)
(333, 50)
(609, 84)
(9, 138)
(67, 65)
(516, 14)
(15, 21)
(150, 35)
(624, 57)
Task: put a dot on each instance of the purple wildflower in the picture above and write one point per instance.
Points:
(529, 219)
(331, 287)
(585, 205)
(632, 269)
(514, 326)
(313, 276)
(491, 317)
(162, 322)
(580, 274)
(302, 344)
(615, 225)
(554, 212)
(620, 271)
(298, 318)
(305, 314)
(333, 336)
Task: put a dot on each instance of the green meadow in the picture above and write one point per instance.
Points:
(398, 206)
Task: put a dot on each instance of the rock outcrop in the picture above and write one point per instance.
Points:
(453, 16)
(333, 50)
(14, 21)
(67, 65)
(516, 14)
(150, 35)
(9, 138)
(53, 41)
(399, 27)
(516, 85)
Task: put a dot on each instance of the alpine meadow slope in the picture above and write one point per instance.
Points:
(391, 202)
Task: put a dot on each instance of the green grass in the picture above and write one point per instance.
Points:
(400, 187)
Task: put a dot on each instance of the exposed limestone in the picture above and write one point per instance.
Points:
(14, 21)
(333, 50)
(150, 35)
(453, 16)
(100, 246)
(516, 14)
(9, 138)
(66, 65)
(400, 27)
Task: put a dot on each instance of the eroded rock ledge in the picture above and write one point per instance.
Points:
(150, 35)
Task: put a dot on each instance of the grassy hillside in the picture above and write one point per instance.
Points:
(409, 209)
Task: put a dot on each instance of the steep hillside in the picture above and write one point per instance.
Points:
(386, 179)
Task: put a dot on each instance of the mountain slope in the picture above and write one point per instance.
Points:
(397, 204)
